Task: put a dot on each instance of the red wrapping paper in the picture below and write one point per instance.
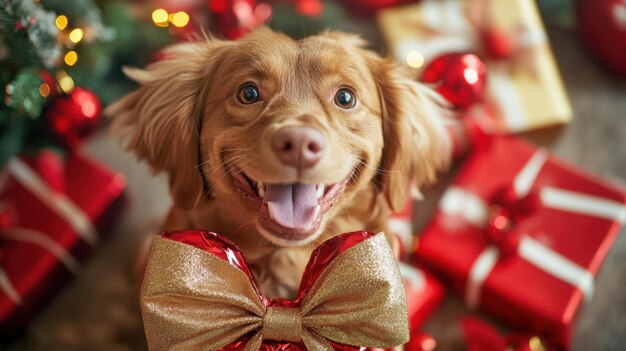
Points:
(419, 341)
(481, 336)
(542, 238)
(469, 128)
(424, 294)
(371, 7)
(43, 247)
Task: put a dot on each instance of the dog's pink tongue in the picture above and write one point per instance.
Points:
(292, 205)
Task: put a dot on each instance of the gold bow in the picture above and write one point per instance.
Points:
(192, 300)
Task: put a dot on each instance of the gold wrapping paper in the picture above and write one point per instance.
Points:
(524, 98)
(192, 300)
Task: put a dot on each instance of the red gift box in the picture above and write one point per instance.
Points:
(419, 341)
(424, 294)
(481, 336)
(522, 235)
(52, 232)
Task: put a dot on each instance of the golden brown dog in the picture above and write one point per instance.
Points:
(281, 144)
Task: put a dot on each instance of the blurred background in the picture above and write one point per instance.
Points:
(75, 209)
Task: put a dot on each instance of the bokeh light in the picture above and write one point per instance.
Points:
(44, 89)
(76, 35)
(66, 83)
(179, 19)
(61, 22)
(415, 59)
(70, 58)
(160, 17)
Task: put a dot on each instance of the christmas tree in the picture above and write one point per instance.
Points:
(58, 63)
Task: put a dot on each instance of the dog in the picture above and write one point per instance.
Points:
(280, 144)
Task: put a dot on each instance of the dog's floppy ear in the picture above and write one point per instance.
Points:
(414, 132)
(162, 117)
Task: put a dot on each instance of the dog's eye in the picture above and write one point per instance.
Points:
(345, 99)
(248, 94)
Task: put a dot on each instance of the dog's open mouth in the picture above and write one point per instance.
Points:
(292, 211)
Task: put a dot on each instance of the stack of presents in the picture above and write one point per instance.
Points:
(519, 234)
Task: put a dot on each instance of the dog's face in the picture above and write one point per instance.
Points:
(292, 128)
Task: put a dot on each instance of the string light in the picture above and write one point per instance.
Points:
(71, 58)
(535, 344)
(76, 35)
(44, 89)
(65, 82)
(61, 22)
(415, 59)
(179, 19)
(160, 18)
(429, 344)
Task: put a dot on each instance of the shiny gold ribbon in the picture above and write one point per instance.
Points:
(192, 300)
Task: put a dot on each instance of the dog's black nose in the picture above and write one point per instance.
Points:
(299, 147)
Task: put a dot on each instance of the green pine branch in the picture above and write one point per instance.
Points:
(29, 35)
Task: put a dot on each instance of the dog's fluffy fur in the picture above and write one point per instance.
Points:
(185, 120)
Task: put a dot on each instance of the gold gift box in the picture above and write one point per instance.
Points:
(522, 97)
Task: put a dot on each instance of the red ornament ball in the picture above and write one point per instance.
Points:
(75, 116)
(458, 77)
(234, 18)
(309, 8)
(371, 7)
(602, 26)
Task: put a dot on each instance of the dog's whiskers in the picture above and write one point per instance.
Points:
(377, 169)
(210, 173)
(245, 224)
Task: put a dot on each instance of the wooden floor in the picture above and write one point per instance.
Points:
(99, 310)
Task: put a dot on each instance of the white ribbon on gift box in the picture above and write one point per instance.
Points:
(415, 277)
(40, 239)
(447, 17)
(474, 210)
(403, 229)
(60, 204)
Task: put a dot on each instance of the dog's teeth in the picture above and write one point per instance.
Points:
(320, 191)
(316, 211)
(260, 189)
